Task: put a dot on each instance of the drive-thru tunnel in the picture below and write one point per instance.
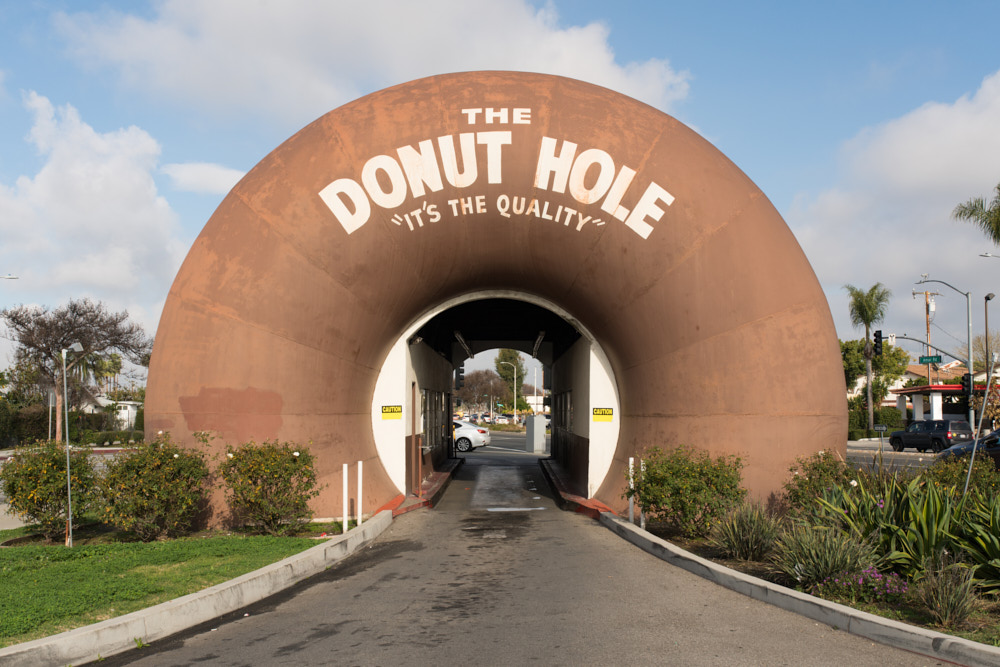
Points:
(321, 298)
(418, 370)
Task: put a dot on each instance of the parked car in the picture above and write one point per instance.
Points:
(988, 445)
(934, 434)
(469, 436)
(501, 419)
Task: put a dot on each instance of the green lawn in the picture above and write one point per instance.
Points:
(47, 589)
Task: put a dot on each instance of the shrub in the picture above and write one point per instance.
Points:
(269, 486)
(34, 482)
(811, 477)
(687, 489)
(810, 555)
(947, 590)
(869, 585)
(951, 471)
(905, 522)
(156, 489)
(977, 537)
(748, 532)
(31, 424)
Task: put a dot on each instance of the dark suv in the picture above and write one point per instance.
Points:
(933, 434)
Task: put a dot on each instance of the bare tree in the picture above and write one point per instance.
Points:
(479, 386)
(42, 335)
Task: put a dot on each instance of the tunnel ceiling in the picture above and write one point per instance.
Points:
(491, 323)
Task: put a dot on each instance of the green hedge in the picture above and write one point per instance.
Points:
(109, 437)
(857, 422)
(31, 424)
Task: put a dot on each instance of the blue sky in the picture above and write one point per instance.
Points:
(123, 125)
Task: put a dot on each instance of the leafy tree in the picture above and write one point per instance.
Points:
(852, 353)
(42, 335)
(868, 308)
(25, 384)
(886, 368)
(983, 215)
(891, 364)
(506, 372)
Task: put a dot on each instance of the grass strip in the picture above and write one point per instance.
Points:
(48, 589)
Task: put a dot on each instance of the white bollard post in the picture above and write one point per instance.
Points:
(360, 482)
(642, 514)
(345, 498)
(631, 487)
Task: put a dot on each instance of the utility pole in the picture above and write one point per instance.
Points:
(928, 309)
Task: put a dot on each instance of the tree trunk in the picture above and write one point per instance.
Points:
(871, 406)
(868, 352)
(59, 410)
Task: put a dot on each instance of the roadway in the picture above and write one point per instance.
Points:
(496, 574)
(869, 453)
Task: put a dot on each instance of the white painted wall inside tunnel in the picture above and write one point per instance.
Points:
(586, 372)
(603, 433)
(390, 433)
(404, 365)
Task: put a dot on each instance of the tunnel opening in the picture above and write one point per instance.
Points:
(415, 396)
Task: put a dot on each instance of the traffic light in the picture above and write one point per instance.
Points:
(460, 377)
(877, 347)
(967, 383)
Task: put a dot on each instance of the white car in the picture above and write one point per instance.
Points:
(469, 436)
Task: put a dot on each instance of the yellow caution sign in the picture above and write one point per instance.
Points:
(603, 414)
(392, 412)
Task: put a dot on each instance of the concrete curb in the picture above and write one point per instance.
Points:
(565, 498)
(883, 630)
(118, 634)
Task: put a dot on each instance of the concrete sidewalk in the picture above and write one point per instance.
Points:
(8, 521)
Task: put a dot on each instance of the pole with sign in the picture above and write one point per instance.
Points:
(880, 429)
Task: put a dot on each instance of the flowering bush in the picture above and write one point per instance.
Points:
(869, 585)
(34, 482)
(269, 486)
(155, 489)
(811, 477)
(952, 471)
(687, 489)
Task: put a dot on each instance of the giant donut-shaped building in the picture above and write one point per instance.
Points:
(324, 300)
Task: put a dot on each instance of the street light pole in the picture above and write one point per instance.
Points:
(968, 303)
(989, 366)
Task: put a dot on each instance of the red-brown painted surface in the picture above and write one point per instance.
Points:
(715, 325)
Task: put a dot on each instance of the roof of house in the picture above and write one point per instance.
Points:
(940, 374)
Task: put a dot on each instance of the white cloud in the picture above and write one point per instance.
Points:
(203, 177)
(297, 60)
(90, 222)
(888, 219)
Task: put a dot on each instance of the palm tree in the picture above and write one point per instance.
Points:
(868, 308)
(987, 218)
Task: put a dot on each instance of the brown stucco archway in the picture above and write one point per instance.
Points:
(290, 299)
